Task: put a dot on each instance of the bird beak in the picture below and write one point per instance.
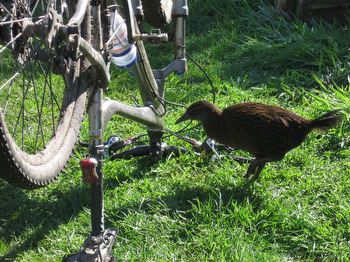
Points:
(184, 117)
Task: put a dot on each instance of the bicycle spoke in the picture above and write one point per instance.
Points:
(42, 5)
(24, 94)
(17, 73)
(20, 20)
(7, 11)
(23, 109)
(56, 102)
(11, 42)
(9, 82)
(18, 116)
(43, 101)
(52, 111)
(36, 5)
(42, 70)
(53, 96)
(38, 111)
(48, 83)
(7, 98)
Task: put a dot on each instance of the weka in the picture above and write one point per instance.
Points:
(267, 132)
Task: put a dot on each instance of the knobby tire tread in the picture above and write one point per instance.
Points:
(13, 163)
(154, 12)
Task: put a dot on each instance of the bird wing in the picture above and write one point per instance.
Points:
(263, 130)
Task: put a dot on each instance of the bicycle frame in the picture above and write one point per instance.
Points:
(151, 85)
(54, 32)
(149, 81)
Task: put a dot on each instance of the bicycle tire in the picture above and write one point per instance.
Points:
(288, 6)
(157, 12)
(23, 164)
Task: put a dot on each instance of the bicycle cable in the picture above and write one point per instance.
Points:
(163, 101)
(186, 129)
(213, 90)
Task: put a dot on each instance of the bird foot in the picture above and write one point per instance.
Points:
(251, 177)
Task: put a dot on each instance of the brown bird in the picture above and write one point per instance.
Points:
(267, 132)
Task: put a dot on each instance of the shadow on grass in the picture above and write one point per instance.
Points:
(142, 165)
(33, 218)
(183, 197)
(268, 50)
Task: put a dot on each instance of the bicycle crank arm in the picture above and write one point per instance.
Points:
(146, 150)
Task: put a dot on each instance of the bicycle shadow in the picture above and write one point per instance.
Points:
(184, 197)
(34, 214)
(141, 167)
(33, 217)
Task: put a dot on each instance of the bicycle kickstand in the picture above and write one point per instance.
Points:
(98, 246)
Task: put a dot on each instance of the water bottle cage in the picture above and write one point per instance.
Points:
(114, 54)
(123, 53)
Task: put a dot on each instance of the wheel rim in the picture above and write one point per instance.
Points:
(31, 94)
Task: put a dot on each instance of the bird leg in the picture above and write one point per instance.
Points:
(257, 165)
(255, 168)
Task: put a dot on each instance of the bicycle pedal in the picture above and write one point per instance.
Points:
(96, 248)
(154, 37)
(115, 143)
(83, 144)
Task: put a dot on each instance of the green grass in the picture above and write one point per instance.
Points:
(193, 209)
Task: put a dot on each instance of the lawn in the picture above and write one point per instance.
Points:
(193, 208)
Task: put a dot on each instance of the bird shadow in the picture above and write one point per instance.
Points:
(183, 199)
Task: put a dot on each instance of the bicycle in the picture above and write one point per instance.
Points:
(57, 64)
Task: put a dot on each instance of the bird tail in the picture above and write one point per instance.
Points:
(326, 121)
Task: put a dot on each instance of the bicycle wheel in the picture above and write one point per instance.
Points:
(157, 12)
(286, 5)
(41, 102)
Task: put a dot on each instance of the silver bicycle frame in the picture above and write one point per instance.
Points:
(151, 84)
